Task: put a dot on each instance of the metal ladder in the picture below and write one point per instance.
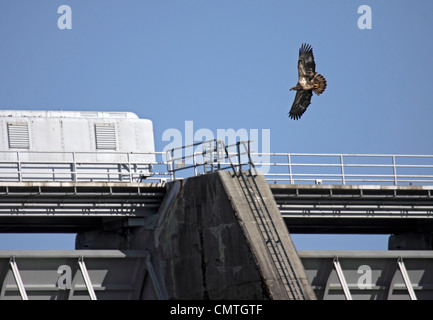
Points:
(270, 235)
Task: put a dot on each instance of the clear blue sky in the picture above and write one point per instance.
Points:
(229, 64)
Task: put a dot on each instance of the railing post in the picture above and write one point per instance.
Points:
(342, 170)
(238, 144)
(219, 150)
(170, 165)
(129, 168)
(214, 149)
(229, 159)
(173, 165)
(250, 161)
(248, 154)
(394, 170)
(204, 157)
(251, 165)
(19, 167)
(290, 168)
(194, 163)
(74, 168)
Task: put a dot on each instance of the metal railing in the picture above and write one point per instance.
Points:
(24, 166)
(208, 156)
(213, 155)
(303, 168)
(383, 169)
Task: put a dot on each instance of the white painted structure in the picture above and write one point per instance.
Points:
(68, 145)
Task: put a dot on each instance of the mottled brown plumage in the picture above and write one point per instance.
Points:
(309, 81)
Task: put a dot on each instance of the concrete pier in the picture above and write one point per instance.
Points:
(207, 243)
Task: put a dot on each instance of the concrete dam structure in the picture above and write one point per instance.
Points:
(215, 245)
(207, 224)
(216, 238)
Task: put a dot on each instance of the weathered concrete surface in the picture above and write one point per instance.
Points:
(210, 246)
(202, 252)
(411, 241)
(206, 244)
(255, 238)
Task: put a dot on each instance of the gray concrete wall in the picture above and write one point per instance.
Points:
(207, 245)
(255, 238)
(202, 252)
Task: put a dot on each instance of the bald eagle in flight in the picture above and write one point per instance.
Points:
(309, 81)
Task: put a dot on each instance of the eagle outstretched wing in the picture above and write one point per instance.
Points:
(308, 82)
(306, 64)
(301, 103)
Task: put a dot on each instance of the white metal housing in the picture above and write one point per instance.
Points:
(67, 145)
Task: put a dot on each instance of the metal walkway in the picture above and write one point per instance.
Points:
(341, 193)
(355, 209)
(328, 193)
(74, 207)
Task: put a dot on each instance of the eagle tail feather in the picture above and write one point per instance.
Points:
(320, 81)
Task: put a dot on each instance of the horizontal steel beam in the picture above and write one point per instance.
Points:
(305, 208)
(355, 209)
(75, 207)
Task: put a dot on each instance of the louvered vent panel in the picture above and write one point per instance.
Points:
(105, 137)
(87, 114)
(18, 134)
